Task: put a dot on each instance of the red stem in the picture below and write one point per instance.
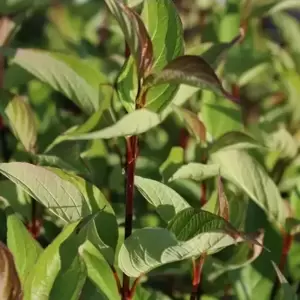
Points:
(287, 243)
(197, 270)
(131, 154)
(134, 286)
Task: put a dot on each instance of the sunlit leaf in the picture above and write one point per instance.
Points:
(69, 75)
(58, 195)
(163, 198)
(252, 179)
(196, 171)
(134, 123)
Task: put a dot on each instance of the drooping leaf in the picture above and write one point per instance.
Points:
(196, 171)
(234, 140)
(72, 77)
(167, 202)
(99, 271)
(191, 70)
(135, 34)
(252, 179)
(134, 123)
(194, 125)
(10, 285)
(60, 264)
(59, 196)
(25, 249)
(21, 120)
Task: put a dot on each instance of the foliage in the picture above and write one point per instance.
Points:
(149, 149)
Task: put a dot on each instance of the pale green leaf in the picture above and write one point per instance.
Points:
(167, 202)
(142, 252)
(196, 171)
(59, 196)
(134, 123)
(74, 78)
(240, 168)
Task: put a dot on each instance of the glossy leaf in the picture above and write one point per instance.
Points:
(252, 179)
(133, 123)
(59, 196)
(25, 249)
(135, 34)
(167, 202)
(191, 70)
(21, 120)
(10, 285)
(165, 29)
(196, 171)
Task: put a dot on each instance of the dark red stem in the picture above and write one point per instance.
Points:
(197, 270)
(134, 286)
(131, 155)
(287, 243)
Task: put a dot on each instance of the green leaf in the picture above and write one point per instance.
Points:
(253, 180)
(105, 240)
(8, 7)
(287, 289)
(61, 265)
(134, 123)
(214, 108)
(165, 29)
(21, 120)
(69, 75)
(283, 5)
(236, 263)
(141, 252)
(10, 287)
(59, 196)
(25, 249)
(99, 271)
(167, 202)
(234, 140)
(135, 34)
(191, 70)
(196, 171)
